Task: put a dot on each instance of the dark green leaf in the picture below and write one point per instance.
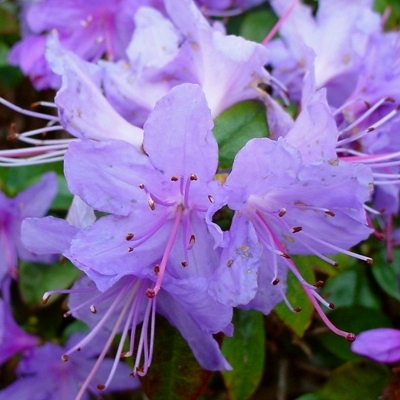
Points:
(174, 373)
(353, 319)
(236, 126)
(352, 287)
(8, 20)
(386, 273)
(300, 321)
(257, 23)
(36, 279)
(245, 351)
(354, 380)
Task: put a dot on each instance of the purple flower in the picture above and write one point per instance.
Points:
(381, 345)
(339, 53)
(90, 28)
(155, 250)
(286, 206)
(42, 372)
(32, 202)
(185, 48)
(13, 339)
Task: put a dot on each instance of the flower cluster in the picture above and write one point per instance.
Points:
(158, 224)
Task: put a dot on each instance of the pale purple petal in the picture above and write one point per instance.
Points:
(178, 136)
(47, 235)
(114, 184)
(381, 345)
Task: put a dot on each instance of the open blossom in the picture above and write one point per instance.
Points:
(32, 202)
(90, 28)
(291, 196)
(183, 48)
(154, 251)
(381, 345)
(339, 52)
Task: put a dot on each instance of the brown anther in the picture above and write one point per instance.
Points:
(100, 386)
(351, 337)
(282, 212)
(229, 263)
(156, 269)
(296, 229)
(132, 375)
(367, 104)
(64, 358)
(174, 178)
(284, 255)
(192, 240)
(66, 314)
(369, 261)
(129, 236)
(370, 129)
(150, 293)
(125, 354)
(210, 198)
(319, 284)
(141, 186)
(35, 105)
(335, 264)
(13, 132)
(193, 177)
(130, 249)
(78, 349)
(398, 108)
(45, 298)
(184, 264)
(152, 205)
(381, 210)
(93, 309)
(390, 99)
(139, 369)
(297, 309)
(276, 281)
(331, 306)
(330, 213)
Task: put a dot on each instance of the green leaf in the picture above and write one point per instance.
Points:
(236, 126)
(257, 23)
(354, 380)
(36, 279)
(8, 20)
(300, 321)
(353, 319)
(352, 287)
(386, 273)
(17, 179)
(245, 352)
(174, 373)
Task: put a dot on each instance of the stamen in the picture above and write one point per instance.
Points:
(164, 260)
(192, 178)
(152, 199)
(366, 114)
(110, 339)
(376, 125)
(368, 260)
(281, 20)
(27, 112)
